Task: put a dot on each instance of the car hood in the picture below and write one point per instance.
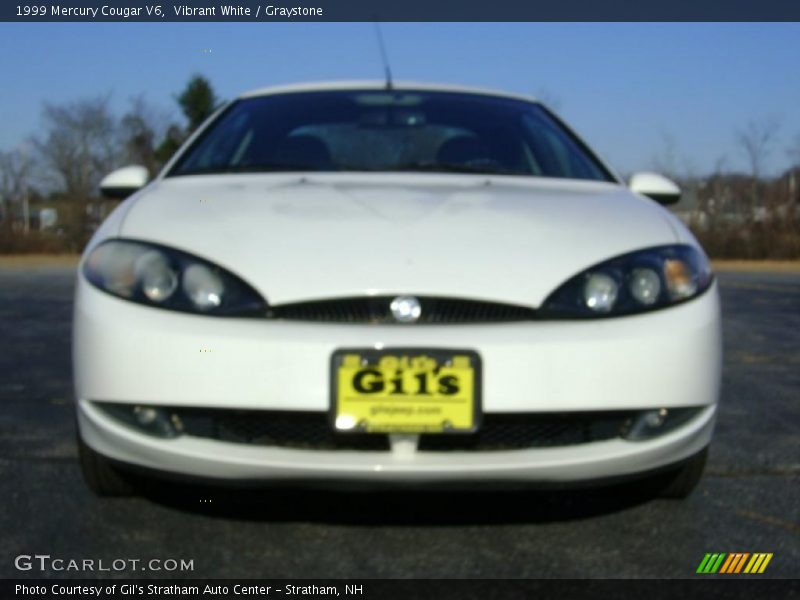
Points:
(300, 237)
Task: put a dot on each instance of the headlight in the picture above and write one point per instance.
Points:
(600, 292)
(632, 283)
(204, 287)
(158, 279)
(158, 276)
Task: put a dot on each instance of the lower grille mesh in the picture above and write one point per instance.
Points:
(312, 431)
(306, 431)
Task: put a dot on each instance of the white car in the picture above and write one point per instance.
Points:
(411, 284)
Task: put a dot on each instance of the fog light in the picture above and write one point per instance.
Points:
(151, 420)
(155, 421)
(647, 424)
(145, 415)
(600, 292)
(651, 423)
(655, 418)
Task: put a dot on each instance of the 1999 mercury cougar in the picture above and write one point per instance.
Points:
(393, 284)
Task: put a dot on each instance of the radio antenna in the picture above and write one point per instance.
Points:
(384, 57)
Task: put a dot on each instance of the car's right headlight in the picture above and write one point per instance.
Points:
(163, 277)
(640, 281)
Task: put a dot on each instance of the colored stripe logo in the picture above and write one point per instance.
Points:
(734, 563)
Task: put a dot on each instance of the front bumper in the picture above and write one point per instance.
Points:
(128, 353)
(203, 458)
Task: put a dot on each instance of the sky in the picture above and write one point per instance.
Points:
(639, 94)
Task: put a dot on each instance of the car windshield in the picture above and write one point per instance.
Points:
(389, 130)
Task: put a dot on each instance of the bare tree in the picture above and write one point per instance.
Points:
(718, 198)
(80, 144)
(757, 141)
(665, 160)
(15, 169)
(141, 127)
(793, 191)
(794, 151)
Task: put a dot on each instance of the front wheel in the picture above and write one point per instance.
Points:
(102, 477)
(682, 482)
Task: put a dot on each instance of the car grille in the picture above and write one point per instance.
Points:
(312, 431)
(521, 431)
(375, 309)
(299, 430)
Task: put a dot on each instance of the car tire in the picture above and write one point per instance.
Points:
(679, 484)
(101, 476)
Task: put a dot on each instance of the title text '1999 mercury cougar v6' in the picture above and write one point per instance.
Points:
(369, 284)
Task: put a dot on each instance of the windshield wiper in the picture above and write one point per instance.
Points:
(422, 166)
(456, 168)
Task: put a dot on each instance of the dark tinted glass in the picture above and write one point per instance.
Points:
(389, 131)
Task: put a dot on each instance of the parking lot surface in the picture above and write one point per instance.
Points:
(748, 501)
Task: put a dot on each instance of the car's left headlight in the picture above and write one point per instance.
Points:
(636, 282)
(163, 277)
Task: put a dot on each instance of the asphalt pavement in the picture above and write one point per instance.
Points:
(748, 501)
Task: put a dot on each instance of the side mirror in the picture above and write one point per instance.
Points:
(124, 182)
(655, 186)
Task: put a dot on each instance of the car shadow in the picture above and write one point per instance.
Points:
(402, 506)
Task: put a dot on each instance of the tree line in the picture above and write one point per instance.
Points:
(734, 214)
(748, 214)
(81, 142)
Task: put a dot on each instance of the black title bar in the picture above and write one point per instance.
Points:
(400, 10)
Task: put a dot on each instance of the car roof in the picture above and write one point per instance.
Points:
(380, 85)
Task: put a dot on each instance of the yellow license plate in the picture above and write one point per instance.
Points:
(405, 391)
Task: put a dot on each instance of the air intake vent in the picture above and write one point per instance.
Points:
(312, 431)
(377, 310)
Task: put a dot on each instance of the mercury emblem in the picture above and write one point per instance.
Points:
(406, 309)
